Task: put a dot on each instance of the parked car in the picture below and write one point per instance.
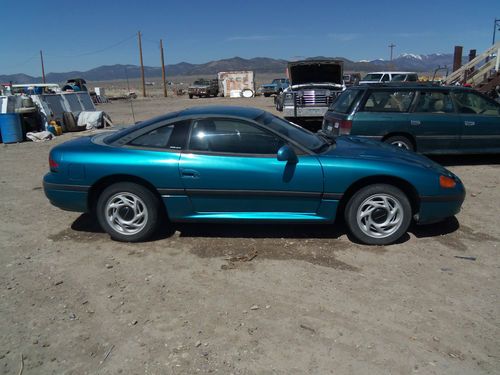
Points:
(240, 164)
(423, 118)
(276, 87)
(381, 77)
(204, 88)
(314, 86)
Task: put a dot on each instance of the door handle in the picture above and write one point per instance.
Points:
(415, 122)
(470, 123)
(190, 173)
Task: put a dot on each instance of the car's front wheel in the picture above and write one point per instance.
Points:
(128, 212)
(378, 214)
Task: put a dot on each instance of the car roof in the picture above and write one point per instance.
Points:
(246, 112)
(386, 72)
(411, 86)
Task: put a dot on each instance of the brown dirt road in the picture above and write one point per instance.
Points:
(306, 301)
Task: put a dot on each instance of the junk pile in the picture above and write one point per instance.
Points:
(40, 112)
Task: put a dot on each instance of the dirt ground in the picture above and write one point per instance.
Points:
(243, 299)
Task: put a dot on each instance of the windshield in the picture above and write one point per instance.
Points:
(294, 132)
(372, 77)
(201, 82)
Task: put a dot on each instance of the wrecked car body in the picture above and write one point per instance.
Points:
(314, 85)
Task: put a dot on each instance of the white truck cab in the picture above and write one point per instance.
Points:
(382, 77)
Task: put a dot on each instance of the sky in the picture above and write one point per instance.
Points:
(81, 35)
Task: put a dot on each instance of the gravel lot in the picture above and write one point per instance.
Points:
(243, 299)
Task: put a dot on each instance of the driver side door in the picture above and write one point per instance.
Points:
(230, 168)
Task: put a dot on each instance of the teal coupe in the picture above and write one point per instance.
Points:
(239, 164)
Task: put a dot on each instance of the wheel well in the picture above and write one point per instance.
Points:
(400, 134)
(104, 182)
(401, 184)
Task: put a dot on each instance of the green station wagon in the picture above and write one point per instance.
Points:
(424, 118)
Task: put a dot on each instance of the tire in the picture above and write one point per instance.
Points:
(135, 229)
(377, 227)
(401, 142)
(190, 96)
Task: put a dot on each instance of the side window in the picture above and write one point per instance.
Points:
(232, 136)
(386, 78)
(434, 102)
(470, 102)
(389, 101)
(171, 136)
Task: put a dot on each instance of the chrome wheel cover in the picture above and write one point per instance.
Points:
(401, 144)
(380, 215)
(126, 213)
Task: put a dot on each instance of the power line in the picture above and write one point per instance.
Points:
(24, 62)
(98, 50)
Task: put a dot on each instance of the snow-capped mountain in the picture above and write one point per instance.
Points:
(414, 62)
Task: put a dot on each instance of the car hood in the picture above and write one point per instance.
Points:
(315, 71)
(199, 86)
(362, 148)
(270, 85)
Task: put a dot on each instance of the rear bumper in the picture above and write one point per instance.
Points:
(65, 196)
(291, 111)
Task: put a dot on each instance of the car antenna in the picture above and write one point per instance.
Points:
(128, 89)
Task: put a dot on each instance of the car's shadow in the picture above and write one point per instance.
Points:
(88, 223)
(455, 160)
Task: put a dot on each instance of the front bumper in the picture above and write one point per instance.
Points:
(439, 207)
(65, 196)
(292, 111)
(268, 90)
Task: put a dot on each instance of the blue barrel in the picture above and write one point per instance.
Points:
(11, 127)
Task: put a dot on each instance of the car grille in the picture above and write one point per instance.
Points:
(313, 98)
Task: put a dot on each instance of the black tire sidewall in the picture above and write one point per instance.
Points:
(350, 213)
(149, 199)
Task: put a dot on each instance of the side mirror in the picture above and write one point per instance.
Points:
(286, 153)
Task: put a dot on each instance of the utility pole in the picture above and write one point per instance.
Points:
(43, 68)
(163, 77)
(391, 46)
(142, 65)
(496, 26)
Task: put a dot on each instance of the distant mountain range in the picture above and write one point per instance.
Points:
(411, 62)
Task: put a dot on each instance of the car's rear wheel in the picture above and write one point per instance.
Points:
(190, 96)
(378, 214)
(128, 212)
(401, 142)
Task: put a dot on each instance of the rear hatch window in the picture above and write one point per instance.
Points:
(346, 101)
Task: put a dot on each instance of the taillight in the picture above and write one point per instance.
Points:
(53, 165)
(345, 127)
